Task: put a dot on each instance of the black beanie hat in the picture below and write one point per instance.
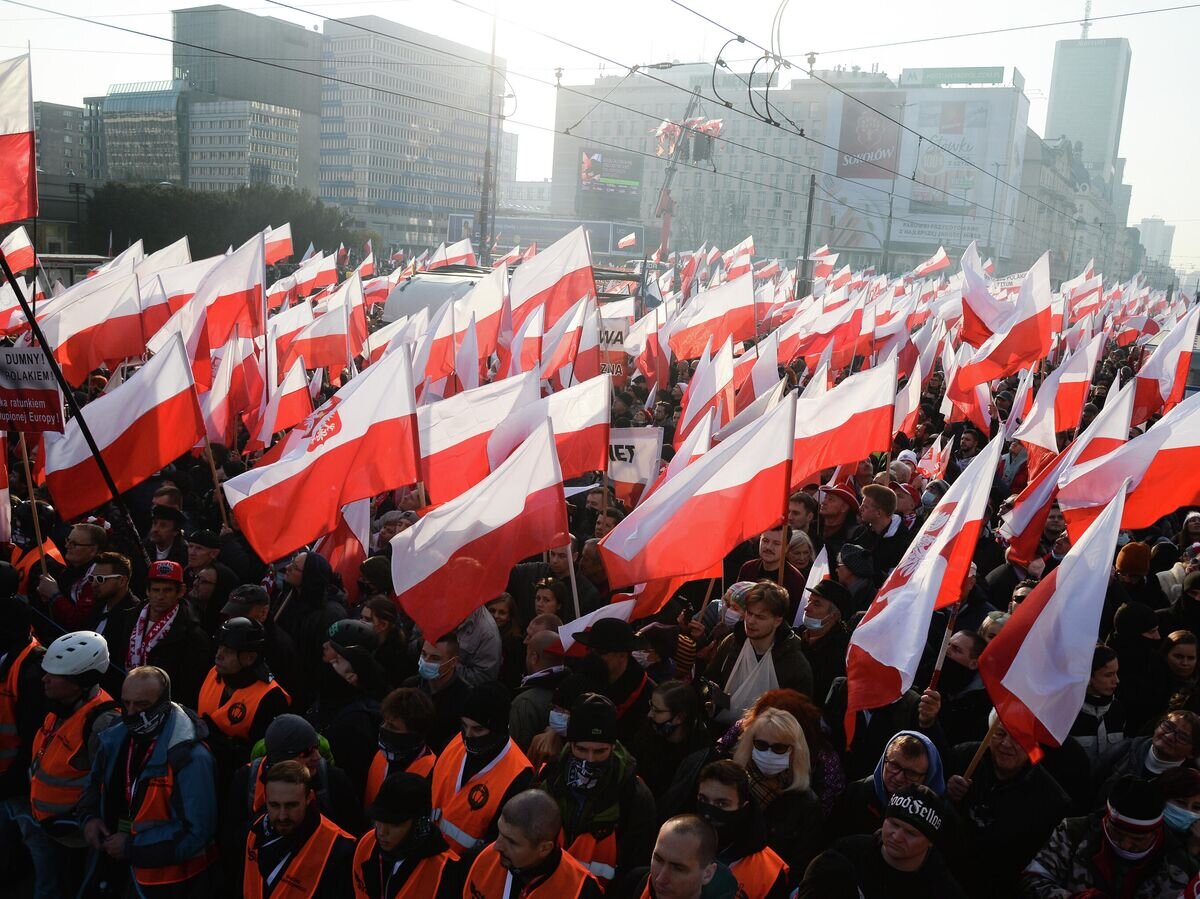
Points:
(920, 807)
(401, 797)
(593, 719)
(488, 704)
(1134, 618)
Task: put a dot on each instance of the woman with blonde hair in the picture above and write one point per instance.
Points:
(776, 757)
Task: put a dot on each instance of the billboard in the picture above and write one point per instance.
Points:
(869, 143)
(610, 183)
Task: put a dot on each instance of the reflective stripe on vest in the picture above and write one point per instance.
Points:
(55, 783)
(490, 879)
(303, 873)
(154, 810)
(756, 873)
(465, 811)
(598, 856)
(10, 740)
(422, 883)
(378, 771)
(235, 716)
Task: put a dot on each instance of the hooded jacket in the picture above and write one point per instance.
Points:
(861, 807)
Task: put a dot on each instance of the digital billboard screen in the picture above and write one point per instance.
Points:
(610, 183)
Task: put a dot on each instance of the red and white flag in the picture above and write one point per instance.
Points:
(512, 257)
(936, 461)
(458, 556)
(934, 263)
(737, 260)
(733, 492)
(17, 249)
(455, 433)
(1075, 382)
(725, 312)
(466, 359)
(277, 243)
(346, 547)
(149, 421)
(358, 448)
(627, 241)
(886, 647)
(290, 404)
(460, 253)
(711, 387)
(1037, 669)
(319, 271)
(525, 352)
(215, 406)
(580, 418)
(323, 343)
(1161, 381)
(756, 372)
(232, 293)
(103, 325)
(846, 424)
(18, 148)
(554, 280)
(561, 343)
(982, 314)
(634, 458)
(282, 329)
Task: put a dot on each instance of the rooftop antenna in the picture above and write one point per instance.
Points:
(1086, 25)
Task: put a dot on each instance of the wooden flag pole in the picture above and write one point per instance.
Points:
(212, 468)
(37, 525)
(937, 668)
(987, 739)
(571, 572)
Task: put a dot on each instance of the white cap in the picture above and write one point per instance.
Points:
(75, 653)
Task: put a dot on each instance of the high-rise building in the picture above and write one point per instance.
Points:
(143, 131)
(234, 143)
(291, 81)
(60, 138)
(403, 128)
(1087, 98)
(1157, 237)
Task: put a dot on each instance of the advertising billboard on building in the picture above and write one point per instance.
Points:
(610, 183)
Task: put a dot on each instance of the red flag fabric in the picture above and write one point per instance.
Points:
(147, 422)
(289, 405)
(317, 272)
(460, 253)
(233, 293)
(17, 249)
(725, 312)
(324, 343)
(18, 148)
(96, 326)
(1161, 381)
(711, 387)
(886, 647)
(934, 263)
(580, 418)
(345, 548)
(733, 492)
(554, 280)
(459, 555)
(277, 243)
(361, 446)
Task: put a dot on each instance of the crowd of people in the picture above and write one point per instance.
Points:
(179, 717)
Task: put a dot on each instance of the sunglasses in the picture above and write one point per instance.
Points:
(777, 748)
(101, 578)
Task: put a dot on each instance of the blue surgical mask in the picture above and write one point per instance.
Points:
(559, 721)
(732, 616)
(1179, 818)
(813, 624)
(929, 499)
(428, 670)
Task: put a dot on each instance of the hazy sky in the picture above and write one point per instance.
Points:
(75, 59)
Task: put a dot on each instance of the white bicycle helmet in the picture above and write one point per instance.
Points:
(76, 653)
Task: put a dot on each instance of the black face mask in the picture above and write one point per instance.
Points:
(398, 747)
(955, 677)
(483, 744)
(149, 722)
(717, 817)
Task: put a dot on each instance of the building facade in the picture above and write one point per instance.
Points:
(61, 141)
(234, 143)
(143, 129)
(1087, 98)
(1157, 237)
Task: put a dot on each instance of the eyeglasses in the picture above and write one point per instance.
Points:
(909, 774)
(655, 710)
(777, 748)
(1177, 734)
(77, 544)
(101, 578)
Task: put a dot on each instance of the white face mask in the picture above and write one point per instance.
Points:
(813, 624)
(732, 616)
(642, 657)
(558, 721)
(771, 763)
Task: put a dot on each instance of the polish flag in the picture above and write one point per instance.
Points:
(366, 268)
(1161, 381)
(378, 341)
(484, 301)
(282, 329)
(627, 241)
(1036, 670)
(454, 433)
(525, 353)
(458, 556)
(907, 406)
(730, 494)
(100, 326)
(216, 406)
(362, 446)
(466, 359)
(319, 271)
(530, 252)
(1023, 525)
(309, 253)
(934, 263)
(18, 156)
(737, 260)
(1159, 467)
(936, 461)
(698, 442)
(346, 547)
(149, 421)
(622, 610)
(763, 374)
(756, 410)
(723, 312)
(1022, 404)
(561, 343)
(1084, 299)
(282, 293)
(233, 293)
(1039, 431)
(460, 253)
(277, 243)
(1135, 329)
(982, 314)
(1075, 382)
(711, 387)
(16, 247)
(376, 290)
(554, 280)
(580, 416)
(846, 424)
(512, 257)
(887, 645)
(1022, 341)
(323, 343)
(290, 404)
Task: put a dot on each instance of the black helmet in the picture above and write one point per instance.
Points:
(350, 633)
(22, 522)
(242, 635)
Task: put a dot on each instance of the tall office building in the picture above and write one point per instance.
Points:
(60, 138)
(1087, 98)
(403, 128)
(289, 47)
(234, 143)
(1157, 237)
(143, 131)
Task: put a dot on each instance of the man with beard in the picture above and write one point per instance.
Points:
(766, 567)
(166, 634)
(293, 845)
(525, 860)
(723, 799)
(962, 702)
(838, 517)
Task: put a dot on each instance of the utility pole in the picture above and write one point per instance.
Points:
(804, 283)
(666, 206)
(992, 219)
(485, 253)
(887, 238)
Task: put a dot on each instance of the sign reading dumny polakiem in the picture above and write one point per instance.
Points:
(30, 399)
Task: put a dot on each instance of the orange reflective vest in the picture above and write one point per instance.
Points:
(422, 883)
(25, 562)
(756, 873)
(489, 878)
(10, 740)
(378, 771)
(598, 855)
(303, 873)
(60, 766)
(155, 811)
(465, 811)
(235, 715)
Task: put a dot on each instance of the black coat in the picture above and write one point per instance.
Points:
(185, 652)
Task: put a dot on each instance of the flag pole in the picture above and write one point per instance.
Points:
(37, 525)
(212, 468)
(571, 572)
(937, 667)
(69, 396)
(987, 739)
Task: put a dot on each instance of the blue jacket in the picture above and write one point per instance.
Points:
(193, 824)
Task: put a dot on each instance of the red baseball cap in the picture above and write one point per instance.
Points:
(844, 492)
(166, 571)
